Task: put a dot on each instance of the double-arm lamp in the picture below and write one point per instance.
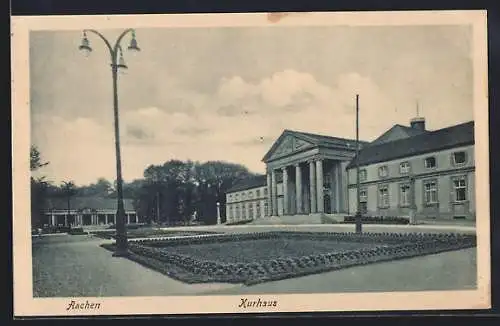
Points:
(117, 62)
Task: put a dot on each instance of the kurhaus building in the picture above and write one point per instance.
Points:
(83, 211)
(406, 171)
(428, 174)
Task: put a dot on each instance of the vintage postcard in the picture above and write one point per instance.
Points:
(242, 163)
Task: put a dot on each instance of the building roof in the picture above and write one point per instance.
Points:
(431, 141)
(79, 203)
(249, 183)
(330, 140)
(314, 140)
(403, 132)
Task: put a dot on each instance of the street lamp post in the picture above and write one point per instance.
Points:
(359, 227)
(117, 62)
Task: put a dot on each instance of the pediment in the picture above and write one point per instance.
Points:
(286, 145)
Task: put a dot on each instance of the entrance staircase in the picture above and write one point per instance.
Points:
(300, 219)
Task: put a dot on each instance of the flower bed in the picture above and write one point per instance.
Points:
(149, 233)
(365, 248)
(378, 220)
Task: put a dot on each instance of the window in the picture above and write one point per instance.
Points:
(237, 211)
(257, 193)
(362, 175)
(459, 158)
(383, 171)
(404, 195)
(363, 200)
(430, 192)
(237, 197)
(363, 196)
(460, 189)
(243, 211)
(250, 195)
(258, 212)
(243, 196)
(265, 191)
(383, 195)
(430, 162)
(327, 181)
(404, 168)
(266, 208)
(250, 210)
(230, 213)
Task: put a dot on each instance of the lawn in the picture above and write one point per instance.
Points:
(252, 258)
(248, 251)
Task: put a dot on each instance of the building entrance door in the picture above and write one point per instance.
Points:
(328, 204)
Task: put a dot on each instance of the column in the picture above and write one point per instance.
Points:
(285, 191)
(298, 188)
(319, 186)
(269, 195)
(136, 218)
(53, 219)
(312, 185)
(128, 218)
(65, 219)
(338, 181)
(106, 218)
(114, 219)
(218, 213)
(274, 201)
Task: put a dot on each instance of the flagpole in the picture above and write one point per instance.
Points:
(358, 210)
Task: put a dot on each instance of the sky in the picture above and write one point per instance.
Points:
(228, 93)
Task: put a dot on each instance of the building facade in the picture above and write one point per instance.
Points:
(84, 211)
(430, 176)
(306, 175)
(407, 171)
(247, 200)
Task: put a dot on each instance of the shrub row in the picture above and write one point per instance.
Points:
(110, 234)
(77, 231)
(378, 219)
(53, 229)
(239, 222)
(192, 270)
(366, 237)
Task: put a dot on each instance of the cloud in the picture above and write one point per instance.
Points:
(238, 123)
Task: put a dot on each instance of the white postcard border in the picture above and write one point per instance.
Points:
(26, 305)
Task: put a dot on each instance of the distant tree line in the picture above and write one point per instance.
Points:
(170, 193)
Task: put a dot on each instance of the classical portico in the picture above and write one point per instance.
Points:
(306, 174)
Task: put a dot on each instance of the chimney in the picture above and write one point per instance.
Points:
(418, 123)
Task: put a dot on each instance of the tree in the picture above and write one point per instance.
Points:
(39, 188)
(69, 190)
(214, 179)
(35, 159)
(177, 189)
(102, 188)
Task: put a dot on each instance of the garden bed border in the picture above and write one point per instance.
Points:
(187, 269)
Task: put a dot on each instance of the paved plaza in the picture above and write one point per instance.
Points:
(75, 265)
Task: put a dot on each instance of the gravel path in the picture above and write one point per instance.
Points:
(75, 266)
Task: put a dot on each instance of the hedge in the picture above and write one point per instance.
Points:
(378, 219)
(240, 222)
